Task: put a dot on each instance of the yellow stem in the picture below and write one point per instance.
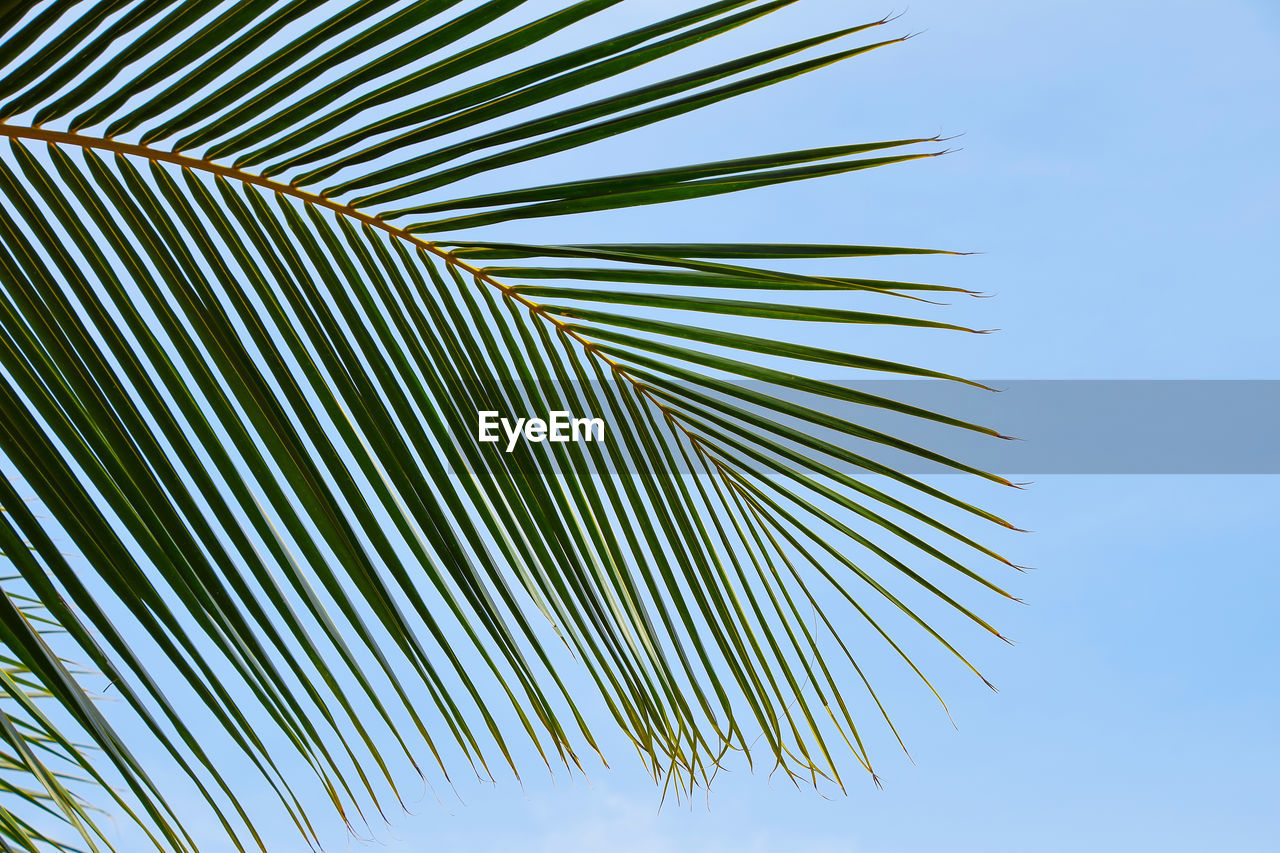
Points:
(59, 137)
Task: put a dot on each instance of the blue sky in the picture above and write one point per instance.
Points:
(1117, 176)
(1135, 714)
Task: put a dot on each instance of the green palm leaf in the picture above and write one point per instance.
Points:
(246, 394)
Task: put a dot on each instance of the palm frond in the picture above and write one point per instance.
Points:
(247, 394)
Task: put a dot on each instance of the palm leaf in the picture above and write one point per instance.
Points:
(246, 394)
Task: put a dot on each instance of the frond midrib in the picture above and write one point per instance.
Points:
(79, 140)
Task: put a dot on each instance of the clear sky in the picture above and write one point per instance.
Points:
(1118, 173)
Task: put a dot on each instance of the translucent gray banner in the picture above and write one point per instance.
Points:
(1062, 426)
